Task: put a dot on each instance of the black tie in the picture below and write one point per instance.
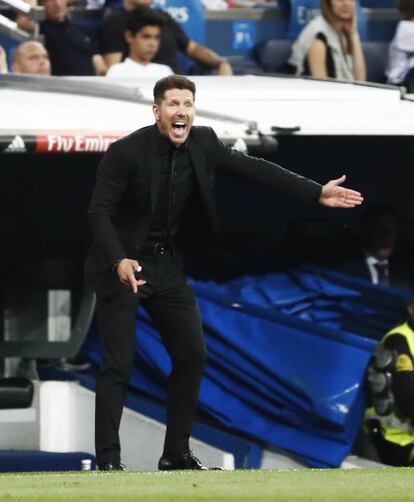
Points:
(382, 271)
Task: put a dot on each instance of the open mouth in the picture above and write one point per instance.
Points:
(179, 125)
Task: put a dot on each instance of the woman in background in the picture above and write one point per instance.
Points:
(3, 61)
(329, 46)
(400, 69)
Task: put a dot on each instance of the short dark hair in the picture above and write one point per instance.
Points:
(406, 8)
(172, 82)
(379, 227)
(143, 16)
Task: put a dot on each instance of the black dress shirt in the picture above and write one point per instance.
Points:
(175, 187)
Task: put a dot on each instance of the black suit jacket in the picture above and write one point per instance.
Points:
(126, 191)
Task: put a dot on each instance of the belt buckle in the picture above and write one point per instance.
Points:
(159, 248)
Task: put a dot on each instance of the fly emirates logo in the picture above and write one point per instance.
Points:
(79, 143)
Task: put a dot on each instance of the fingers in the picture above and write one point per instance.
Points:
(133, 282)
(353, 196)
(126, 272)
(340, 180)
(349, 199)
(353, 199)
(347, 204)
(353, 193)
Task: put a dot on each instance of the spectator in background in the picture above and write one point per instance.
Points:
(329, 46)
(23, 21)
(400, 69)
(173, 40)
(3, 61)
(143, 33)
(377, 263)
(70, 50)
(32, 58)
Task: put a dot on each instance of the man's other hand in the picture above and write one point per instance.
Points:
(333, 195)
(126, 272)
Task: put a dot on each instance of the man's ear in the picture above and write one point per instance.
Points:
(156, 111)
(129, 36)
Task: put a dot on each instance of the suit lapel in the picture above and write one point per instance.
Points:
(199, 164)
(155, 166)
(155, 161)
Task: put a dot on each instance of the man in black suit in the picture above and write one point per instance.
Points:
(377, 261)
(144, 184)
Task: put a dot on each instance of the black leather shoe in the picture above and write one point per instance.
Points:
(111, 467)
(185, 461)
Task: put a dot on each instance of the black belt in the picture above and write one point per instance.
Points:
(154, 248)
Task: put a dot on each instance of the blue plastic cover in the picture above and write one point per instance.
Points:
(287, 357)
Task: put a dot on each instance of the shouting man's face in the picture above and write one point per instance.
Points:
(175, 115)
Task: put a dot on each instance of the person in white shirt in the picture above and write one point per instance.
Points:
(143, 37)
(400, 70)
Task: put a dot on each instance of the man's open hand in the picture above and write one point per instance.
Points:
(333, 195)
(126, 272)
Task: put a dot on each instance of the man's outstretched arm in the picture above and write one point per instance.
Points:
(267, 173)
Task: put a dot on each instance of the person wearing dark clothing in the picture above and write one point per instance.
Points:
(377, 262)
(70, 51)
(173, 40)
(145, 184)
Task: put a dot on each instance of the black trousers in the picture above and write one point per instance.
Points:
(389, 453)
(171, 305)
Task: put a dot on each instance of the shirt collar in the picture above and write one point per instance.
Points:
(371, 260)
(164, 144)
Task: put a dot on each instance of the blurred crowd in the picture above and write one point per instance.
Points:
(138, 39)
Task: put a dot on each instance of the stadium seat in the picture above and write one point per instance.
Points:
(243, 65)
(376, 55)
(273, 55)
(378, 4)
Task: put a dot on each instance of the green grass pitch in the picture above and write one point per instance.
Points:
(378, 484)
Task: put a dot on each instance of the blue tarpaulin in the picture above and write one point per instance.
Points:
(287, 357)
